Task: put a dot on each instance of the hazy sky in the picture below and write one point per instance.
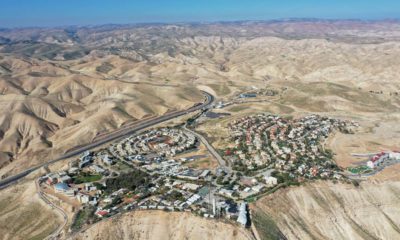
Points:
(17, 13)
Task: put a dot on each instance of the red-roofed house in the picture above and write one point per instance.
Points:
(101, 213)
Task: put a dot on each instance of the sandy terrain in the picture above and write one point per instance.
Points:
(154, 225)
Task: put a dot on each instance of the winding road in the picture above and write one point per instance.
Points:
(122, 132)
(222, 163)
(64, 215)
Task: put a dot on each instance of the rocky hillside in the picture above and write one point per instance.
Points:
(154, 225)
(23, 215)
(325, 210)
(48, 109)
(61, 87)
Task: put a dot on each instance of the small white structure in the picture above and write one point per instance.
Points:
(226, 192)
(257, 188)
(73, 170)
(191, 186)
(254, 181)
(107, 160)
(83, 198)
(193, 199)
(242, 218)
(214, 206)
(271, 181)
(204, 173)
(65, 179)
(97, 169)
(394, 155)
(370, 164)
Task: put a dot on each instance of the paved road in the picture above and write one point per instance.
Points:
(122, 132)
(211, 149)
(363, 154)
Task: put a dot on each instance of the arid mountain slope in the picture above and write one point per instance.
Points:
(23, 215)
(53, 110)
(324, 210)
(154, 225)
(62, 87)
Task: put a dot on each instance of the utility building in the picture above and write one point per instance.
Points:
(242, 218)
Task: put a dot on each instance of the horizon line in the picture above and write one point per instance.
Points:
(305, 19)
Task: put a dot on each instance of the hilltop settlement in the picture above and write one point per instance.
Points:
(145, 171)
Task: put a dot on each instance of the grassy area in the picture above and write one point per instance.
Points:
(359, 170)
(265, 225)
(87, 178)
(79, 220)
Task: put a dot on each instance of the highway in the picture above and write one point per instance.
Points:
(122, 132)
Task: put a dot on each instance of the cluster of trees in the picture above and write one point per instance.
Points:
(130, 181)
(84, 216)
(285, 178)
(220, 181)
(175, 195)
(239, 166)
(243, 168)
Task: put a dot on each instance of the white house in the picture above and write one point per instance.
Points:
(370, 164)
(83, 198)
(271, 181)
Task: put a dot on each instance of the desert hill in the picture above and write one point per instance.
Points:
(23, 215)
(324, 210)
(55, 109)
(62, 87)
(161, 225)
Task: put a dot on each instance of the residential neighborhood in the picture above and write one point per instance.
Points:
(146, 171)
(140, 173)
(289, 146)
